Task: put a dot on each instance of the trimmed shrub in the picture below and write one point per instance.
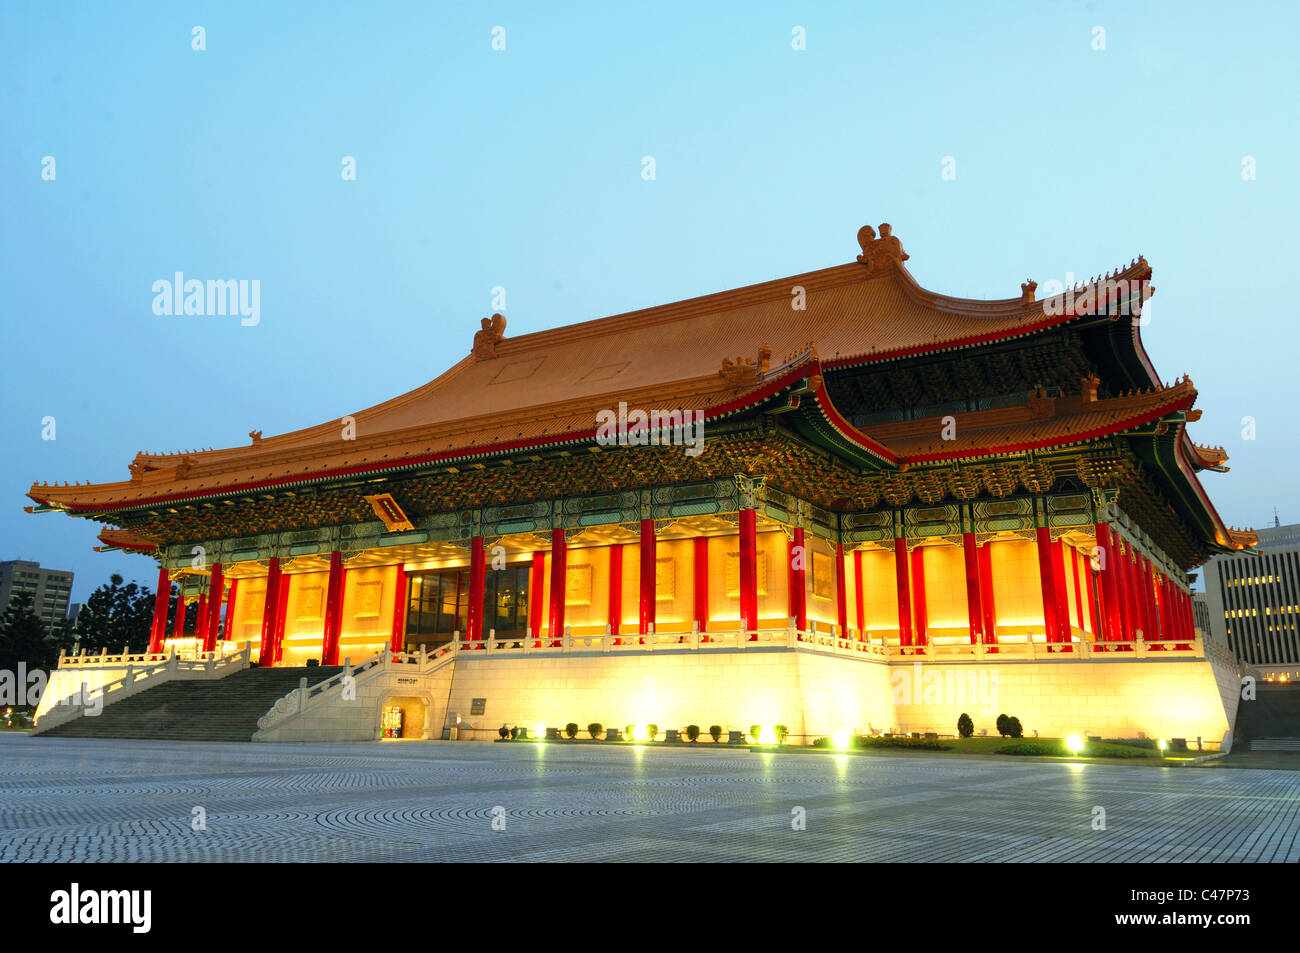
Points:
(822, 743)
(629, 733)
(651, 732)
(755, 731)
(692, 732)
(965, 727)
(781, 732)
(715, 732)
(595, 729)
(1002, 724)
(1013, 727)
(571, 729)
(514, 733)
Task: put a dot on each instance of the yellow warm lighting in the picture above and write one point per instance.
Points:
(840, 739)
(1074, 743)
(539, 731)
(1162, 744)
(766, 736)
(638, 733)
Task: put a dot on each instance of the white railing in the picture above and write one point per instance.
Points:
(820, 638)
(91, 700)
(104, 660)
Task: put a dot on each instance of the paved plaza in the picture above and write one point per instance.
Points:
(109, 800)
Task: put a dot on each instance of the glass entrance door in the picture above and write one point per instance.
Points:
(438, 604)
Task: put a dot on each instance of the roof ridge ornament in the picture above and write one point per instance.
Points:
(492, 333)
(881, 255)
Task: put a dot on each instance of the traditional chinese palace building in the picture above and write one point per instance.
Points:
(902, 506)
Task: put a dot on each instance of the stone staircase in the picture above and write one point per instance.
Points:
(1272, 721)
(225, 709)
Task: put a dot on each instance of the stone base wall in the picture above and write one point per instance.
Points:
(813, 694)
(1158, 698)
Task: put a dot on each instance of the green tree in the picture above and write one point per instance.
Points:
(116, 615)
(23, 637)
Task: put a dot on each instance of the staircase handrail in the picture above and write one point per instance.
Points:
(305, 697)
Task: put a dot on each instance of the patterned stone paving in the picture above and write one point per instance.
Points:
(71, 799)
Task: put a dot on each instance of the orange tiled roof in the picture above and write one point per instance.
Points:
(124, 539)
(1042, 422)
(547, 387)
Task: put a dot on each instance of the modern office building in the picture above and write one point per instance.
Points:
(50, 588)
(1253, 598)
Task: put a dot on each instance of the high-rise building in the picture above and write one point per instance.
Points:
(50, 588)
(1253, 598)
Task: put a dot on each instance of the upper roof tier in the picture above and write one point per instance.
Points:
(712, 353)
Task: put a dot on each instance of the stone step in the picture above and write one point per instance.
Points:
(226, 709)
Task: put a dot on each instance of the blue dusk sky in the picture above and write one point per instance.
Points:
(522, 168)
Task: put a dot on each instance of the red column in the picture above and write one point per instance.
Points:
(859, 596)
(1189, 616)
(201, 624)
(230, 610)
(329, 649)
(974, 614)
(401, 604)
(1063, 634)
(797, 590)
(841, 597)
(216, 587)
(1149, 596)
(1143, 590)
(700, 563)
(749, 571)
(986, 595)
(1073, 557)
(920, 617)
(1090, 596)
(178, 623)
(266, 651)
(615, 615)
(1162, 606)
(1135, 595)
(1124, 586)
(1109, 628)
(646, 616)
(559, 582)
(904, 596)
(536, 583)
(281, 617)
(474, 608)
(1047, 584)
(161, 600)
